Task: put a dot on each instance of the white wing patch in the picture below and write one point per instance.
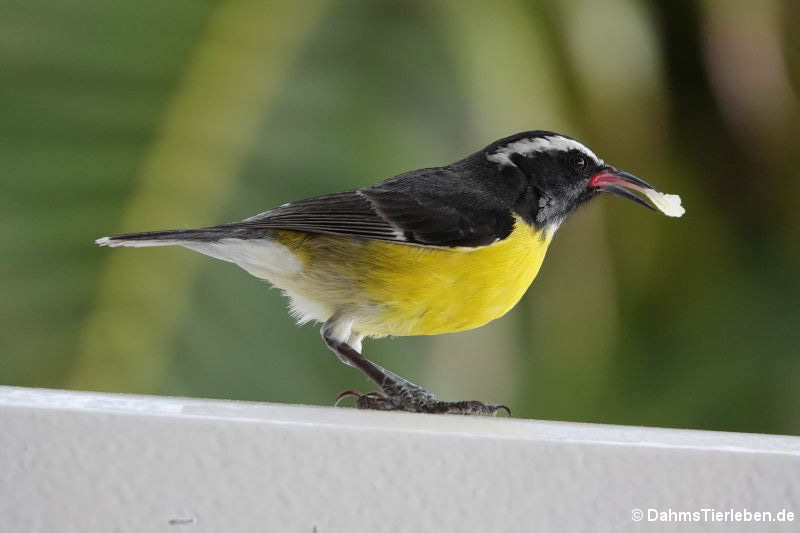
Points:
(528, 146)
(398, 235)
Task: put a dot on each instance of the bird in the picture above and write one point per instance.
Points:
(425, 252)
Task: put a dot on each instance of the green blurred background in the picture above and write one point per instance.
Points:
(146, 115)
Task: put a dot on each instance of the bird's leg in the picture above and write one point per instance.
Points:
(399, 394)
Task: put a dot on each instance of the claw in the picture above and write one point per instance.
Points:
(504, 407)
(345, 394)
(359, 396)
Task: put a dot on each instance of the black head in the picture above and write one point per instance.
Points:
(559, 174)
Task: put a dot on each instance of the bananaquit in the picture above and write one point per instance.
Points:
(430, 251)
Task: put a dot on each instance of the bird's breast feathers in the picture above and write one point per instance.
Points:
(389, 288)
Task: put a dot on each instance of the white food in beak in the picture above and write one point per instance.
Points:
(669, 204)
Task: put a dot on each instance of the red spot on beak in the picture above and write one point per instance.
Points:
(612, 177)
(615, 181)
(603, 178)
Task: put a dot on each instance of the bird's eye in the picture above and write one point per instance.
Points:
(579, 161)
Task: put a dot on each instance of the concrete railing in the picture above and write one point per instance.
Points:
(91, 462)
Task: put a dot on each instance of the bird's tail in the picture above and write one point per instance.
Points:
(181, 237)
(254, 249)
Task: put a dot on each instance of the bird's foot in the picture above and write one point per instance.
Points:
(415, 399)
(398, 394)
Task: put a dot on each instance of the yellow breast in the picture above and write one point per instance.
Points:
(397, 289)
(428, 291)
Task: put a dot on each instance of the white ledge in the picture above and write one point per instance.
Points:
(86, 462)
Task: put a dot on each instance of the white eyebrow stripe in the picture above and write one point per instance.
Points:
(539, 144)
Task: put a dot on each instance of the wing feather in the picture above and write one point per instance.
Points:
(432, 207)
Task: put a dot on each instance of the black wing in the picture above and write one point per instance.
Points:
(347, 213)
(434, 207)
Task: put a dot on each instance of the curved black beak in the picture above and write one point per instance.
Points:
(618, 182)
